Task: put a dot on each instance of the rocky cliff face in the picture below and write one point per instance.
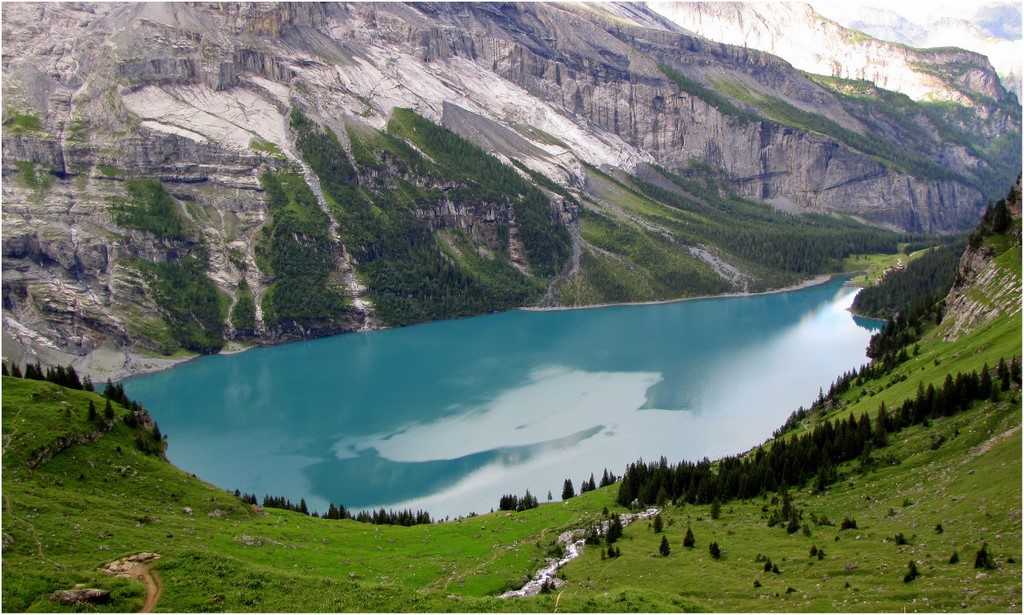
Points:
(993, 30)
(198, 96)
(811, 42)
(987, 286)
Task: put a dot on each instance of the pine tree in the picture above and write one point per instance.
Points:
(614, 530)
(3, 369)
(665, 549)
(1002, 372)
(1000, 217)
(659, 525)
(716, 508)
(714, 550)
(689, 541)
(73, 382)
(982, 559)
(34, 371)
(912, 572)
(108, 410)
(16, 370)
(986, 379)
(92, 411)
(567, 490)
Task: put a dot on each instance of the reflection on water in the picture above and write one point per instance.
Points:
(449, 416)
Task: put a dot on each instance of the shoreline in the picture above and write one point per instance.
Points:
(815, 281)
(121, 364)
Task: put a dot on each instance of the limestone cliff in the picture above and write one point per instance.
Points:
(199, 97)
(988, 283)
(811, 42)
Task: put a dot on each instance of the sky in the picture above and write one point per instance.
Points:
(919, 12)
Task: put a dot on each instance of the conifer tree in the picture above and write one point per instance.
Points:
(659, 525)
(912, 572)
(74, 381)
(16, 370)
(108, 410)
(1000, 217)
(714, 550)
(982, 559)
(665, 549)
(614, 529)
(34, 371)
(567, 490)
(3, 369)
(688, 540)
(92, 411)
(1002, 372)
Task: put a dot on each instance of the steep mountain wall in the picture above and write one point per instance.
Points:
(811, 42)
(988, 283)
(100, 97)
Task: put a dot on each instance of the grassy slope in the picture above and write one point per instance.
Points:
(79, 511)
(636, 240)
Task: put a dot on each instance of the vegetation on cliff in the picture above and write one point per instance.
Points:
(296, 248)
(432, 238)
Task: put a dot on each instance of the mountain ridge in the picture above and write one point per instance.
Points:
(200, 99)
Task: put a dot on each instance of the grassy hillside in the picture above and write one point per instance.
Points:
(659, 236)
(949, 485)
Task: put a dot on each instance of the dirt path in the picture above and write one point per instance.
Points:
(9, 437)
(139, 567)
(154, 586)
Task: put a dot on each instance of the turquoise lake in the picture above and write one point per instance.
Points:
(449, 416)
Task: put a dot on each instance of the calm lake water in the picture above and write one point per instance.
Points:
(448, 416)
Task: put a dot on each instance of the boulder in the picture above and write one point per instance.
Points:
(79, 596)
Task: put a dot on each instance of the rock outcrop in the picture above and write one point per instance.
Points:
(811, 42)
(198, 96)
(985, 288)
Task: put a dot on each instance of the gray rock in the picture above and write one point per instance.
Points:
(79, 596)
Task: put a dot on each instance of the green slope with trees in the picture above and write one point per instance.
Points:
(434, 227)
(923, 514)
(657, 236)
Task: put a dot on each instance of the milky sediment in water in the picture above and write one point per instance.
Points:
(449, 416)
